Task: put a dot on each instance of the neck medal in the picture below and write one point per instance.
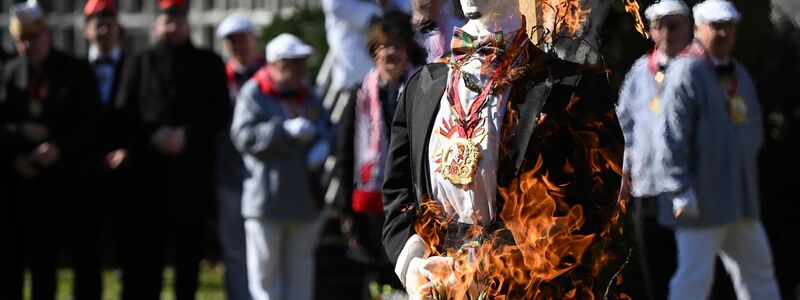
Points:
(463, 132)
(737, 108)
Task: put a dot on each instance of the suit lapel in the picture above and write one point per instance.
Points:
(527, 109)
(424, 108)
(118, 66)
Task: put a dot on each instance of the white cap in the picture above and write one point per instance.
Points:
(664, 8)
(287, 46)
(26, 16)
(714, 11)
(234, 24)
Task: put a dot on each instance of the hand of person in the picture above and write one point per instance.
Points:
(24, 167)
(684, 204)
(169, 140)
(115, 158)
(300, 128)
(35, 132)
(424, 274)
(46, 154)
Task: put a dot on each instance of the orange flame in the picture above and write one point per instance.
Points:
(632, 7)
(562, 17)
(545, 248)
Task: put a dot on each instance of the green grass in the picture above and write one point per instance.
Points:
(210, 287)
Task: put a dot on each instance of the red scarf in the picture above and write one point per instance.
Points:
(267, 86)
(370, 147)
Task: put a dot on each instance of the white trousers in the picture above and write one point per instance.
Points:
(280, 259)
(744, 250)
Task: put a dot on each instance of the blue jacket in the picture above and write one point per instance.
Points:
(706, 150)
(639, 122)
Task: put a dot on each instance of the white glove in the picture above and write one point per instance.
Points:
(416, 283)
(300, 128)
(317, 155)
(420, 284)
(684, 204)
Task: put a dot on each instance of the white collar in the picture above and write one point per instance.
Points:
(94, 53)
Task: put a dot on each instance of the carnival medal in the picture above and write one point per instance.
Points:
(460, 161)
(460, 154)
(738, 110)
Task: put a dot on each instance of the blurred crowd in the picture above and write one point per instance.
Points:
(154, 144)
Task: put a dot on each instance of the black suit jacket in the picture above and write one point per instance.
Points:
(580, 122)
(111, 118)
(70, 109)
(174, 86)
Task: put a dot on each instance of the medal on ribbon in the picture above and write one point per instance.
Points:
(655, 105)
(659, 74)
(35, 108)
(462, 133)
(37, 91)
(460, 161)
(737, 108)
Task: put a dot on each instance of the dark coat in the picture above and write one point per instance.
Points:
(573, 98)
(111, 119)
(69, 109)
(174, 86)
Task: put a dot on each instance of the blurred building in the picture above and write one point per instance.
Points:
(137, 16)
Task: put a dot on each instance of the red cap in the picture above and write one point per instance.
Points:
(99, 6)
(172, 4)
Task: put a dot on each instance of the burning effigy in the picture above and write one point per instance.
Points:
(503, 172)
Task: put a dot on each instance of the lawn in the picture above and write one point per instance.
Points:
(210, 288)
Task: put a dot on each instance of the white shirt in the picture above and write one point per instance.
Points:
(479, 198)
(105, 73)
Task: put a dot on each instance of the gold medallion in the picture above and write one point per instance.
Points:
(35, 108)
(738, 110)
(655, 105)
(460, 161)
(659, 77)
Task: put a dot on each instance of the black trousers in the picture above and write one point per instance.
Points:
(656, 248)
(151, 243)
(84, 219)
(30, 234)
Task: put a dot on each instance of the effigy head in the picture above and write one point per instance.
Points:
(475, 9)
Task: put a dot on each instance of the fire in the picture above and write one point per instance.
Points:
(632, 7)
(544, 249)
(553, 18)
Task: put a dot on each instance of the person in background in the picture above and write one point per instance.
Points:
(48, 108)
(239, 37)
(103, 32)
(279, 129)
(434, 22)
(175, 101)
(346, 24)
(363, 141)
(241, 43)
(713, 132)
(638, 109)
